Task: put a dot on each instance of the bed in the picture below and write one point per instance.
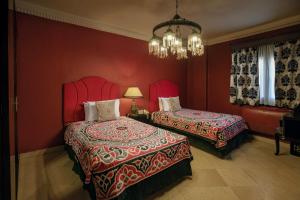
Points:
(222, 131)
(122, 158)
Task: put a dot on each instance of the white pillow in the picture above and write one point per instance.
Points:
(160, 104)
(171, 104)
(90, 111)
(108, 110)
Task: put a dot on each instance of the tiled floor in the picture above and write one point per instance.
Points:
(252, 172)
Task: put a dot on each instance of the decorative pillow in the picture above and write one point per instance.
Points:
(171, 104)
(108, 110)
(90, 111)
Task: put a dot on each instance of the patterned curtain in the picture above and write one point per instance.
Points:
(287, 78)
(244, 87)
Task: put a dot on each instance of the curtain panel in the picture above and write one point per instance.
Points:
(287, 77)
(266, 69)
(244, 78)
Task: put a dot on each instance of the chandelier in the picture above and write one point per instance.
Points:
(172, 41)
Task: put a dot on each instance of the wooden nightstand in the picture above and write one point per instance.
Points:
(145, 118)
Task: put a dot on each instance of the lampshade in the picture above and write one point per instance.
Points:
(133, 92)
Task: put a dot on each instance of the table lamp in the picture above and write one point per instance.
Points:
(133, 93)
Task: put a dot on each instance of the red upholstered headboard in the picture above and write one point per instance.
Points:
(86, 89)
(162, 88)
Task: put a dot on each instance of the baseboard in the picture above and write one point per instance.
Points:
(265, 135)
(39, 152)
(269, 140)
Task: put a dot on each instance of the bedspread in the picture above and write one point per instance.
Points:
(216, 127)
(117, 154)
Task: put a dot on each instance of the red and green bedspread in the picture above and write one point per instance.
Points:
(217, 127)
(120, 153)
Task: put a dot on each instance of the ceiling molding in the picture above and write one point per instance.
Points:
(290, 21)
(56, 15)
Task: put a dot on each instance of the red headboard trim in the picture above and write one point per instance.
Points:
(90, 88)
(162, 88)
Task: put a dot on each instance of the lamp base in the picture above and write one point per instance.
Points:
(134, 108)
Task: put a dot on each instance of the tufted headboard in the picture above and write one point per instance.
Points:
(162, 88)
(90, 88)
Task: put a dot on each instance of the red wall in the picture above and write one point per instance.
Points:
(52, 53)
(219, 65)
(197, 82)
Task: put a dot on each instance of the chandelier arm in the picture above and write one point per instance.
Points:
(180, 21)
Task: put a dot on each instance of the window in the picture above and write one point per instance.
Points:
(266, 68)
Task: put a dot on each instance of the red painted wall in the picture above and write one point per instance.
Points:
(197, 82)
(51, 53)
(218, 65)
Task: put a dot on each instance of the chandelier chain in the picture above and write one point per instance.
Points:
(176, 7)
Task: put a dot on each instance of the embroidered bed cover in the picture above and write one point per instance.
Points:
(120, 153)
(217, 127)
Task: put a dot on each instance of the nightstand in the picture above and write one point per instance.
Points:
(145, 118)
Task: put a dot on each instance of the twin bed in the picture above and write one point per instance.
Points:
(223, 132)
(127, 159)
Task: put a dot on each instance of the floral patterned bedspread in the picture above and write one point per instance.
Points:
(217, 127)
(117, 154)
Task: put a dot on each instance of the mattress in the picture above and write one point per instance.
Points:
(117, 154)
(216, 127)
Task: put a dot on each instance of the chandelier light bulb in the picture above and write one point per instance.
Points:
(181, 53)
(163, 52)
(177, 45)
(201, 52)
(154, 45)
(169, 38)
(195, 44)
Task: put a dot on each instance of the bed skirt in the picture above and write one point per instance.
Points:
(144, 188)
(209, 145)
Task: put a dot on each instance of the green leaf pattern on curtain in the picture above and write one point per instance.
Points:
(244, 87)
(287, 79)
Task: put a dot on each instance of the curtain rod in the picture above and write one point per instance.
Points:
(264, 41)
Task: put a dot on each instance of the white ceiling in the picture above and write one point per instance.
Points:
(217, 17)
